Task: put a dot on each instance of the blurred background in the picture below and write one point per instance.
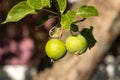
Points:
(22, 54)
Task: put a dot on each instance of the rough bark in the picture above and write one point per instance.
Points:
(106, 29)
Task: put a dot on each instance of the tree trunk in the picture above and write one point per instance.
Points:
(106, 29)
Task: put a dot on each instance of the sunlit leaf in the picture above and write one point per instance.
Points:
(61, 5)
(67, 19)
(87, 11)
(18, 12)
(39, 4)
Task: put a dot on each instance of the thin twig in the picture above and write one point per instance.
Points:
(80, 20)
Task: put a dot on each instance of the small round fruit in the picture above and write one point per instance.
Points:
(76, 44)
(55, 49)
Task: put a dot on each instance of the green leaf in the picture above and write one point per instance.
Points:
(74, 27)
(87, 33)
(39, 4)
(67, 19)
(61, 5)
(18, 12)
(87, 11)
(41, 22)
